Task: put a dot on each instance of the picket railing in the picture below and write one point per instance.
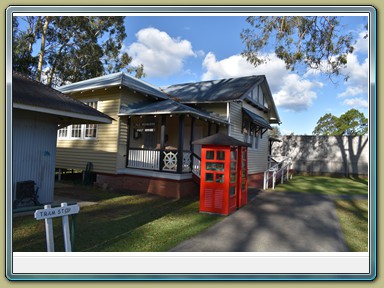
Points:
(277, 171)
(158, 160)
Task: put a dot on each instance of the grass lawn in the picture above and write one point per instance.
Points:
(117, 223)
(353, 216)
(325, 185)
(149, 223)
(352, 213)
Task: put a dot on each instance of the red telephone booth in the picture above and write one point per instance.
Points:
(242, 176)
(223, 182)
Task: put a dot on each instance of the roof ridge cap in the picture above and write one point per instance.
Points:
(142, 81)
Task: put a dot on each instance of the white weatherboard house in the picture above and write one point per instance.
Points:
(149, 146)
(38, 111)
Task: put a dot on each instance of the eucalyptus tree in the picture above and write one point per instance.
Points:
(71, 48)
(317, 42)
(23, 41)
(351, 123)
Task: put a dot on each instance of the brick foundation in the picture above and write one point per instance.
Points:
(256, 180)
(163, 187)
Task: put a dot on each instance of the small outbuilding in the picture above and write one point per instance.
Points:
(224, 171)
(38, 112)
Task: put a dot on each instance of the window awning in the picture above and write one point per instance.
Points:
(256, 119)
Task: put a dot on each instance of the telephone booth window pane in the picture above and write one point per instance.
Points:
(244, 155)
(244, 165)
(232, 190)
(220, 155)
(233, 155)
(244, 175)
(210, 155)
(233, 165)
(210, 166)
(209, 177)
(219, 178)
(233, 178)
(243, 186)
(219, 166)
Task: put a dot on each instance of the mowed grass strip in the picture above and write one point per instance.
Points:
(325, 185)
(353, 216)
(123, 223)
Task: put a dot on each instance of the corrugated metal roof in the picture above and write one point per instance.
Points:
(116, 79)
(260, 121)
(31, 93)
(220, 139)
(213, 91)
(169, 107)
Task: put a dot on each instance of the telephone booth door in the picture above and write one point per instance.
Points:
(214, 179)
(242, 177)
(233, 189)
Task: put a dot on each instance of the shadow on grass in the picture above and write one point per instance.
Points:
(359, 180)
(325, 185)
(353, 216)
(97, 225)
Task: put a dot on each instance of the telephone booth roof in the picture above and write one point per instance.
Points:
(220, 139)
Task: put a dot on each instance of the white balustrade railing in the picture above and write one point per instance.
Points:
(154, 159)
(281, 169)
(196, 166)
(144, 159)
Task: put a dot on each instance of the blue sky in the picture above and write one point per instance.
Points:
(180, 49)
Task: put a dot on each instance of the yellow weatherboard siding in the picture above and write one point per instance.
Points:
(102, 151)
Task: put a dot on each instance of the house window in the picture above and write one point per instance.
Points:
(246, 131)
(63, 132)
(257, 136)
(90, 129)
(76, 131)
(251, 134)
(80, 131)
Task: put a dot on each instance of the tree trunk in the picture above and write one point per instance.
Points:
(42, 49)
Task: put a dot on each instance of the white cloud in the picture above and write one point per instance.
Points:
(296, 94)
(289, 90)
(357, 84)
(160, 54)
(361, 44)
(356, 102)
(352, 91)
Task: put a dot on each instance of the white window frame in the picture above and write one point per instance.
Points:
(83, 127)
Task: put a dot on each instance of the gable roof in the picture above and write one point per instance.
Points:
(170, 107)
(31, 95)
(223, 90)
(116, 79)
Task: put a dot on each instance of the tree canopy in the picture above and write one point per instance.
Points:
(352, 123)
(70, 48)
(318, 42)
(275, 132)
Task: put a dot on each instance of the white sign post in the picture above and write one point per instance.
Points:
(48, 213)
